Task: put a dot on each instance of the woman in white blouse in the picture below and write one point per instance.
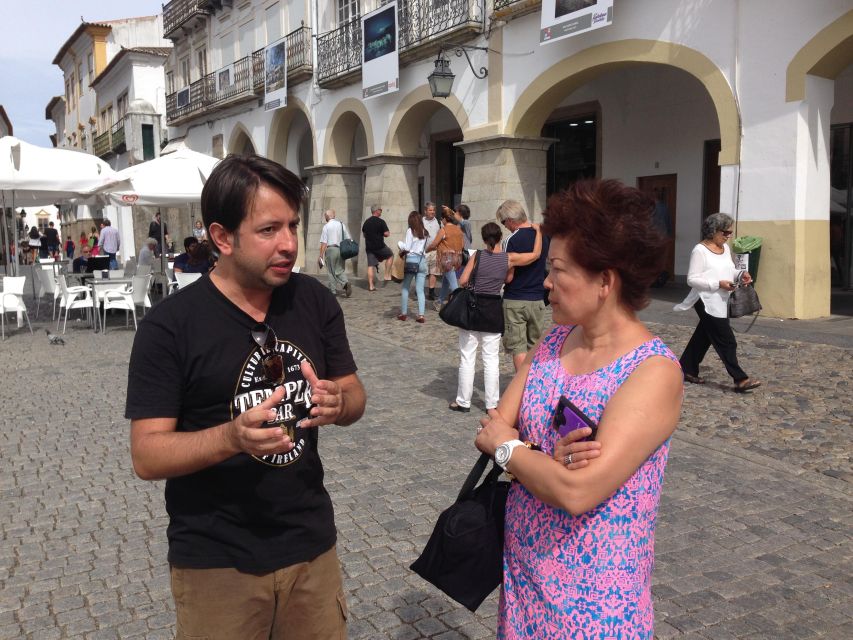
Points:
(413, 251)
(712, 276)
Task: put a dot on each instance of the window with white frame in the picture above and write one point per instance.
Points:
(185, 71)
(121, 106)
(348, 10)
(201, 59)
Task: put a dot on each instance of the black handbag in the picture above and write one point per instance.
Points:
(348, 246)
(473, 311)
(464, 554)
(743, 301)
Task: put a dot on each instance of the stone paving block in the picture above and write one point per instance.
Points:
(744, 550)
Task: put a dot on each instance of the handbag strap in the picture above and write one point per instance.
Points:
(739, 280)
(473, 281)
(475, 475)
(343, 230)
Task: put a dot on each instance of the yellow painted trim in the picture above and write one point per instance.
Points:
(825, 55)
(418, 106)
(793, 269)
(280, 128)
(496, 76)
(99, 52)
(542, 96)
(341, 131)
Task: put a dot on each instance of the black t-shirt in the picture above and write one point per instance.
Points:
(374, 229)
(527, 281)
(52, 236)
(194, 359)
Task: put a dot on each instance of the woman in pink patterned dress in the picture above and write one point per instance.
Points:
(580, 520)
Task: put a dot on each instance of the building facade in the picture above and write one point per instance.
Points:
(720, 106)
(112, 107)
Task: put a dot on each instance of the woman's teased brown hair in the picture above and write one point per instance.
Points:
(609, 226)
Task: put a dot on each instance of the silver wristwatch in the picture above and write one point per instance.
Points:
(504, 452)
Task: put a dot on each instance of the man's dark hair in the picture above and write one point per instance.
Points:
(229, 191)
(106, 222)
(188, 242)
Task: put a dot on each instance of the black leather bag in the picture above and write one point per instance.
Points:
(464, 554)
(473, 311)
(743, 301)
(348, 246)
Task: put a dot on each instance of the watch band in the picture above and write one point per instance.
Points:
(504, 452)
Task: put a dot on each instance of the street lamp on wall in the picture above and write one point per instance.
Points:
(441, 79)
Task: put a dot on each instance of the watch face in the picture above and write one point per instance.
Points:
(502, 454)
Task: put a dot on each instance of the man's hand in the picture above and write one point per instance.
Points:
(327, 400)
(246, 434)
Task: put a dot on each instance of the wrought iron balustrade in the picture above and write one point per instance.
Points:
(117, 137)
(423, 20)
(101, 144)
(177, 12)
(339, 51)
(189, 100)
(237, 84)
(515, 8)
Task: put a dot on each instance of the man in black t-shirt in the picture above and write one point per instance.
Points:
(375, 231)
(229, 379)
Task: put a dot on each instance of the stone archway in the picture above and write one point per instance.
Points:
(279, 136)
(412, 112)
(825, 55)
(341, 131)
(240, 142)
(540, 98)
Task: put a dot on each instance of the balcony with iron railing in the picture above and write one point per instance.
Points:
(508, 9)
(243, 80)
(101, 146)
(117, 139)
(423, 25)
(178, 13)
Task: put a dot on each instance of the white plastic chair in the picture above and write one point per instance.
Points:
(47, 285)
(71, 299)
(143, 269)
(186, 279)
(116, 273)
(12, 299)
(128, 299)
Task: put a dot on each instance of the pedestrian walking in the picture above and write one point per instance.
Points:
(712, 276)
(524, 297)
(489, 269)
(375, 231)
(413, 250)
(580, 516)
(228, 382)
(447, 245)
(331, 237)
(110, 242)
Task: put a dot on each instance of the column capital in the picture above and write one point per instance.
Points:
(329, 169)
(390, 158)
(492, 143)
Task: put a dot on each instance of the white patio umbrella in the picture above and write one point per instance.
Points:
(174, 179)
(32, 175)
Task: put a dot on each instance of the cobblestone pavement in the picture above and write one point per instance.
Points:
(753, 538)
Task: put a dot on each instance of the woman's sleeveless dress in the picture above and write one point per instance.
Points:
(587, 576)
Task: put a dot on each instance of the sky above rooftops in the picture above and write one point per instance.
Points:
(31, 33)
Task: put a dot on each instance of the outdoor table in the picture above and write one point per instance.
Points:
(104, 284)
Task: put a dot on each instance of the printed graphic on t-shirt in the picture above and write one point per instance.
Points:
(263, 371)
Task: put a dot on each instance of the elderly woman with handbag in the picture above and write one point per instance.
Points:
(413, 250)
(579, 532)
(713, 276)
(486, 272)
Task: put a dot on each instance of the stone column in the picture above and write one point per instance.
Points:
(391, 181)
(501, 168)
(332, 187)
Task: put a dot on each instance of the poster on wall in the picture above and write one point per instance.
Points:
(224, 78)
(566, 18)
(275, 75)
(380, 63)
